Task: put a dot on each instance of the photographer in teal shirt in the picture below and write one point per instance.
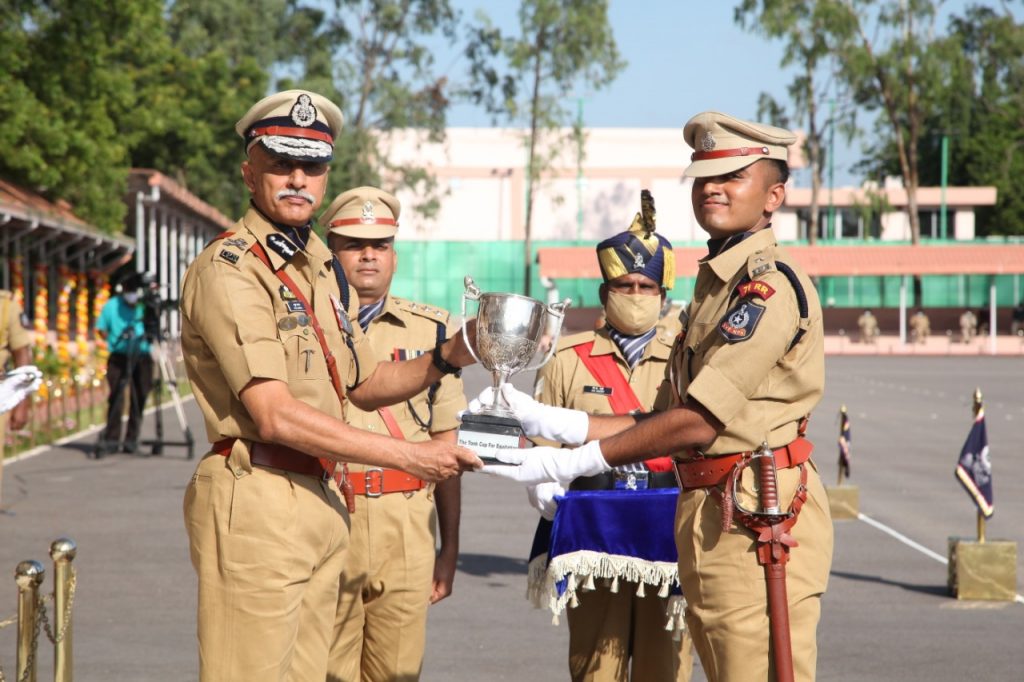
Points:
(130, 364)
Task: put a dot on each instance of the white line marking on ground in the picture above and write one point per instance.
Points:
(40, 449)
(915, 545)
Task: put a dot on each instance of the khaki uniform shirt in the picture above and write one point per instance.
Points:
(402, 331)
(240, 322)
(13, 334)
(566, 382)
(756, 385)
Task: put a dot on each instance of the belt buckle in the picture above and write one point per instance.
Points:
(368, 477)
(630, 478)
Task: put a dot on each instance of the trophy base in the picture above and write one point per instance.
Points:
(484, 433)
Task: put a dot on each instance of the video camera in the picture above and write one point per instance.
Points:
(153, 303)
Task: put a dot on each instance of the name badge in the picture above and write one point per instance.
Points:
(599, 390)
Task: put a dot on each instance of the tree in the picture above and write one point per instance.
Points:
(897, 72)
(373, 58)
(561, 46)
(984, 88)
(810, 31)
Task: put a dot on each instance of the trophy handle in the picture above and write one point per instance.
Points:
(472, 293)
(556, 310)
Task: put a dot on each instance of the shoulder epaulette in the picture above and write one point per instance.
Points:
(575, 340)
(430, 312)
(760, 263)
(230, 246)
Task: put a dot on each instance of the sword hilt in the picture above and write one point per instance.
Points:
(768, 480)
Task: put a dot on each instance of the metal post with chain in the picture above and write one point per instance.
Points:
(32, 615)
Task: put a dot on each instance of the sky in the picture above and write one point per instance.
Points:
(684, 57)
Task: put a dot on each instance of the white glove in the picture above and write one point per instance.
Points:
(542, 498)
(541, 465)
(559, 424)
(18, 383)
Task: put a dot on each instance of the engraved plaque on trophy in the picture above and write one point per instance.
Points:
(509, 329)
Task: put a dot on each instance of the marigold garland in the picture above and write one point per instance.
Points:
(67, 284)
(40, 311)
(81, 317)
(18, 281)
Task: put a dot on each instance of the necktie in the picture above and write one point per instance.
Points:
(632, 347)
(368, 312)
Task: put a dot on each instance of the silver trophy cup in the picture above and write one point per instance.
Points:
(509, 330)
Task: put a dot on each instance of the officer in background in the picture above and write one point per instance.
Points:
(618, 635)
(271, 352)
(391, 575)
(16, 345)
(868, 325)
(920, 327)
(747, 369)
(129, 365)
(968, 326)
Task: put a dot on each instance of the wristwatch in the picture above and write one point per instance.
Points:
(443, 365)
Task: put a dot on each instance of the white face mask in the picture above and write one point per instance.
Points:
(131, 298)
(632, 314)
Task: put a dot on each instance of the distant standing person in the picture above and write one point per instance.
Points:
(129, 364)
(968, 326)
(868, 324)
(1017, 322)
(920, 327)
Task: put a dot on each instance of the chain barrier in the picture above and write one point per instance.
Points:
(58, 638)
(32, 612)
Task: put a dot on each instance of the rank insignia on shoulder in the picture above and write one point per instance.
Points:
(236, 242)
(599, 390)
(281, 245)
(295, 306)
(229, 256)
(755, 288)
(286, 293)
(740, 322)
(761, 269)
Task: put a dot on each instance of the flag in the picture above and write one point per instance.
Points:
(844, 443)
(974, 470)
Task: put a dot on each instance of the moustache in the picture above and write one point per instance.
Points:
(302, 194)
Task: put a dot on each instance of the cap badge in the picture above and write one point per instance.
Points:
(638, 262)
(303, 113)
(707, 141)
(368, 216)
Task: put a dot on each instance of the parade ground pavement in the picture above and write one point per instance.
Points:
(886, 615)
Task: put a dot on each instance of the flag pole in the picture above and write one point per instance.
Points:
(981, 516)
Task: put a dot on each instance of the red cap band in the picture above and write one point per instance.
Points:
(723, 153)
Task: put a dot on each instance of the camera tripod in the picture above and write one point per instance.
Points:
(167, 376)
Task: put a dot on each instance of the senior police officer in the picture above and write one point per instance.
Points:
(272, 353)
(391, 575)
(746, 371)
(618, 634)
(15, 343)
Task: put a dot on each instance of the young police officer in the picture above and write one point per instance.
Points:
(747, 369)
(272, 353)
(391, 575)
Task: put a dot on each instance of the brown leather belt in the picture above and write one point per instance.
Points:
(707, 472)
(280, 457)
(376, 482)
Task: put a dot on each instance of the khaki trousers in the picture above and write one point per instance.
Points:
(267, 546)
(618, 636)
(381, 624)
(725, 589)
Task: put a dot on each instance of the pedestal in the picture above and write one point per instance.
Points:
(484, 433)
(982, 570)
(843, 501)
